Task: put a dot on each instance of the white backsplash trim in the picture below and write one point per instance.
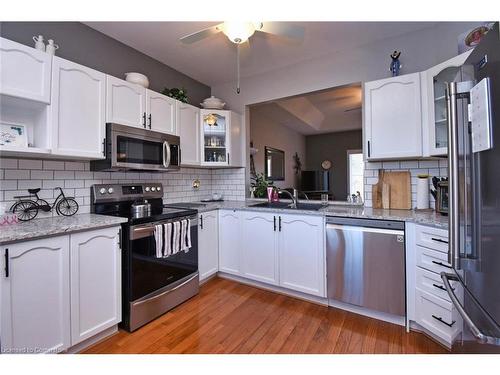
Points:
(17, 175)
(431, 167)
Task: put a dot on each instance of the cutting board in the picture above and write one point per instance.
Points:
(393, 189)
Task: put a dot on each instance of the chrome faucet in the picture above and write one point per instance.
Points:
(295, 196)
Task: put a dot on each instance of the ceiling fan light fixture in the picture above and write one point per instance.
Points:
(239, 32)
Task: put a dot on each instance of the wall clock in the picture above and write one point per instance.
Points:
(326, 164)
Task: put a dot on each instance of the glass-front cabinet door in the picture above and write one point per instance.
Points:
(435, 117)
(215, 136)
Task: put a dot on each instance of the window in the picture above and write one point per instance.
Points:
(355, 168)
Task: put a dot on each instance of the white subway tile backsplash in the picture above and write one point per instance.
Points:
(29, 164)
(76, 178)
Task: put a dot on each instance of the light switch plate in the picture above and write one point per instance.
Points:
(480, 116)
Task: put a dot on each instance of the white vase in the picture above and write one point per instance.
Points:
(51, 47)
(39, 43)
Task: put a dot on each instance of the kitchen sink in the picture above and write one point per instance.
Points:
(287, 205)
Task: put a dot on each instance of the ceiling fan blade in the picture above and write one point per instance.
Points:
(202, 34)
(283, 29)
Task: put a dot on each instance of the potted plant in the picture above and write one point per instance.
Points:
(260, 184)
(179, 94)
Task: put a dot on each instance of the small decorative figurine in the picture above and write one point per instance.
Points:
(395, 64)
(27, 206)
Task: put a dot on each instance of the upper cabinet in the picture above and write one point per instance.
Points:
(160, 110)
(25, 72)
(125, 102)
(188, 124)
(392, 118)
(222, 138)
(434, 102)
(78, 110)
(133, 105)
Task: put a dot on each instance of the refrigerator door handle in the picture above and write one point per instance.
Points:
(452, 122)
(480, 337)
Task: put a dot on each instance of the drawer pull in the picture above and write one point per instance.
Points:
(442, 264)
(439, 319)
(441, 287)
(439, 240)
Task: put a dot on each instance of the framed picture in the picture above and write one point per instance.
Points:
(471, 38)
(13, 135)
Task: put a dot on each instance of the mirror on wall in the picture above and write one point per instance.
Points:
(274, 164)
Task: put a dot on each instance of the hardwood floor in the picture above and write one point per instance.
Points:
(228, 317)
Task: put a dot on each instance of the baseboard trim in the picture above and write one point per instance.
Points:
(415, 327)
(287, 292)
(91, 341)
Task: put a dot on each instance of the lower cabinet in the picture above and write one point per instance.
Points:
(95, 283)
(229, 242)
(302, 254)
(259, 250)
(283, 250)
(57, 292)
(35, 296)
(208, 244)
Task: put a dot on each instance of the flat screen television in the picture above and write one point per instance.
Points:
(315, 181)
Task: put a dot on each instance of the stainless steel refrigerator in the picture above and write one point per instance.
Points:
(473, 113)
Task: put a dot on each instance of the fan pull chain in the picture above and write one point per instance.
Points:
(237, 68)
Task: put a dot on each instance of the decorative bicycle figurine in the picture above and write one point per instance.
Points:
(27, 207)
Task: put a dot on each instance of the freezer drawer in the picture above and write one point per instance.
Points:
(366, 267)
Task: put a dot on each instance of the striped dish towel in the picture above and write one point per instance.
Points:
(171, 238)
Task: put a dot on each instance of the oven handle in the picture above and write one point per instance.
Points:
(140, 302)
(166, 154)
(144, 231)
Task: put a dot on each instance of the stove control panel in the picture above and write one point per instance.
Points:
(123, 192)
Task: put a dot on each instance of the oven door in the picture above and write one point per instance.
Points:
(147, 273)
(141, 149)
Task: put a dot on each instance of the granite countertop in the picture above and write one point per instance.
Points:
(339, 210)
(57, 225)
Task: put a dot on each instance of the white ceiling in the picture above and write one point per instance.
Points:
(327, 111)
(213, 60)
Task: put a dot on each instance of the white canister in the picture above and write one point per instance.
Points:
(39, 43)
(51, 47)
(422, 192)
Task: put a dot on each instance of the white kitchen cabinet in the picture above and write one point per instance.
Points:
(35, 296)
(25, 72)
(78, 110)
(125, 102)
(208, 244)
(435, 127)
(302, 254)
(229, 242)
(95, 282)
(188, 125)
(222, 138)
(259, 247)
(392, 118)
(160, 110)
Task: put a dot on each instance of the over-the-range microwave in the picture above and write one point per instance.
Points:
(130, 148)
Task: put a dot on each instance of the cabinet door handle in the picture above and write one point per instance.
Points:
(274, 217)
(149, 119)
(441, 287)
(369, 149)
(442, 264)
(120, 238)
(144, 120)
(228, 158)
(439, 240)
(104, 146)
(6, 262)
(279, 225)
(439, 319)
(201, 221)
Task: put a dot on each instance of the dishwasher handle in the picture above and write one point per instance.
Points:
(351, 228)
(362, 222)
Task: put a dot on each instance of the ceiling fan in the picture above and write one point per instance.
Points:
(240, 32)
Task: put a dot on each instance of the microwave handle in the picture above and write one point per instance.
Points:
(166, 154)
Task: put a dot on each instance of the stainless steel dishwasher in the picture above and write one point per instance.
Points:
(366, 263)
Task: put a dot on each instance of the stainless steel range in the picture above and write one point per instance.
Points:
(151, 285)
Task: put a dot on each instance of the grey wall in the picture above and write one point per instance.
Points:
(333, 147)
(266, 132)
(86, 46)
